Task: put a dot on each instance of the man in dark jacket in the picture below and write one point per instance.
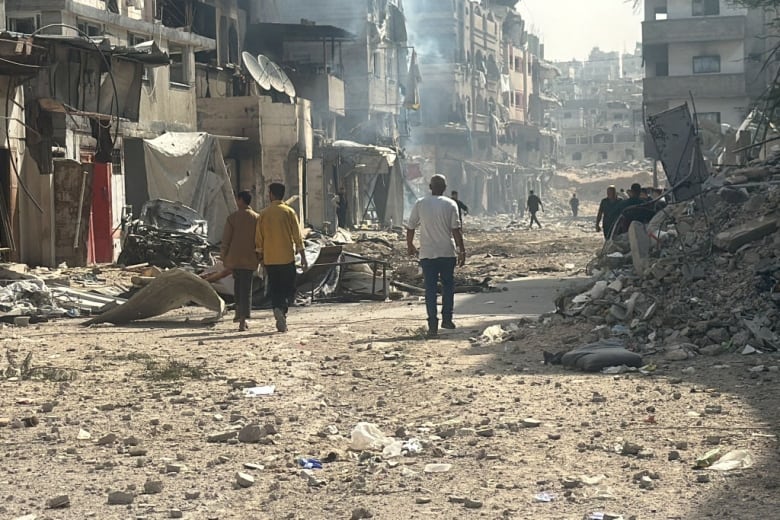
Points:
(533, 205)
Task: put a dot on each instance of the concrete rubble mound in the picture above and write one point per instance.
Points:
(703, 277)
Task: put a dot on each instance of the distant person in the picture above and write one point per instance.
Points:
(462, 208)
(622, 195)
(533, 204)
(440, 234)
(340, 202)
(623, 213)
(238, 255)
(605, 215)
(574, 202)
(277, 239)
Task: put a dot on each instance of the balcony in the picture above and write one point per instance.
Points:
(662, 88)
(698, 29)
(322, 89)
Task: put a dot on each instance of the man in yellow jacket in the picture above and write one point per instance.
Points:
(238, 255)
(277, 239)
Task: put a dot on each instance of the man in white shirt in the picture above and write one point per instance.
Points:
(440, 232)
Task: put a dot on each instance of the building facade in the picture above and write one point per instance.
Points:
(711, 50)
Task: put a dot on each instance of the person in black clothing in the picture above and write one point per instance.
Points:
(625, 212)
(341, 208)
(533, 204)
(574, 202)
(605, 215)
(462, 208)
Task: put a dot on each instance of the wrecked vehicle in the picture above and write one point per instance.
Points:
(167, 234)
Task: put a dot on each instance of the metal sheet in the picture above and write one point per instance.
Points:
(674, 134)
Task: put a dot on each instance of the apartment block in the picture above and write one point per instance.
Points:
(711, 51)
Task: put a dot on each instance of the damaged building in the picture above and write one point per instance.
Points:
(481, 119)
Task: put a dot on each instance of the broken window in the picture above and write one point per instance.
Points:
(112, 6)
(178, 70)
(603, 156)
(137, 39)
(24, 25)
(567, 115)
(571, 140)
(706, 7)
(204, 20)
(91, 29)
(660, 13)
(174, 13)
(576, 156)
(706, 64)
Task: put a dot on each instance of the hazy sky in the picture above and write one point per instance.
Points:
(570, 28)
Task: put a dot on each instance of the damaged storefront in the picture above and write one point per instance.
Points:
(63, 133)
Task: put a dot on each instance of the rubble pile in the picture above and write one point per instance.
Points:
(702, 278)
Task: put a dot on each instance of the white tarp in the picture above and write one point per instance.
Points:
(188, 167)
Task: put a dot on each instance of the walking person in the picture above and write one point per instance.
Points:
(574, 202)
(462, 208)
(277, 239)
(606, 217)
(238, 255)
(533, 205)
(440, 234)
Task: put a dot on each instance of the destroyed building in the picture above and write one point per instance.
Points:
(481, 119)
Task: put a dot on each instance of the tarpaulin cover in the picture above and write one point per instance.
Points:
(188, 167)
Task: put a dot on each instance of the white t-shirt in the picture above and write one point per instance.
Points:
(436, 216)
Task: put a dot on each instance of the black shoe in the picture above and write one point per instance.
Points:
(432, 333)
(281, 320)
(448, 324)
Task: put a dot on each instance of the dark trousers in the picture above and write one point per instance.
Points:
(433, 269)
(281, 285)
(534, 219)
(242, 287)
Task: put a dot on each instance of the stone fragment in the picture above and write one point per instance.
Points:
(222, 436)
(360, 513)
(736, 237)
(153, 487)
(107, 439)
(250, 433)
(175, 513)
(244, 480)
(192, 494)
(83, 435)
(531, 423)
(472, 504)
(116, 498)
(58, 502)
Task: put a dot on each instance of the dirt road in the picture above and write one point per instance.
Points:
(155, 409)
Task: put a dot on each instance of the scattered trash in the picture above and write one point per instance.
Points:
(544, 497)
(708, 459)
(309, 463)
(437, 468)
(412, 447)
(749, 350)
(257, 391)
(497, 334)
(368, 436)
(737, 459)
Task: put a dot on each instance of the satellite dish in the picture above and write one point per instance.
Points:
(256, 70)
(273, 72)
(279, 80)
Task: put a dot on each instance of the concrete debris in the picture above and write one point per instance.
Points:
(734, 238)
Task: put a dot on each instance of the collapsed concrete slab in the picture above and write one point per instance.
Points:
(736, 237)
(168, 291)
(640, 246)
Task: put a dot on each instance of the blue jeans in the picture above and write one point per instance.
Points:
(433, 269)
